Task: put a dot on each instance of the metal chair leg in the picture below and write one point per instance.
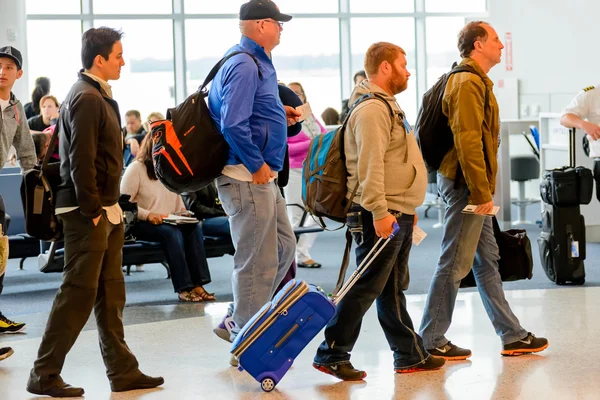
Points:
(164, 264)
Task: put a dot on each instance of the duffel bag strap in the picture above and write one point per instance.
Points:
(345, 263)
(51, 146)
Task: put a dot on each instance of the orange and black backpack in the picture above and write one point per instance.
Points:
(189, 151)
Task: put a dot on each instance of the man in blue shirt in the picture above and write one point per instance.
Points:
(247, 109)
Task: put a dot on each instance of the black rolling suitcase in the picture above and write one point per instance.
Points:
(562, 241)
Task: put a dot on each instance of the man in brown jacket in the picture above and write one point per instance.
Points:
(91, 154)
(467, 175)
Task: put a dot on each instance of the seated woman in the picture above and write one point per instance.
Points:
(182, 244)
(49, 114)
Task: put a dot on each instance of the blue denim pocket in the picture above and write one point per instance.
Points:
(229, 194)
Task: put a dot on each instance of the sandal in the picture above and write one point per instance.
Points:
(203, 294)
(189, 297)
(309, 264)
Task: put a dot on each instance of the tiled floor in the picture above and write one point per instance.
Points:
(194, 362)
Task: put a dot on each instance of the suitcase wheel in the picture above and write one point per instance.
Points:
(579, 282)
(267, 384)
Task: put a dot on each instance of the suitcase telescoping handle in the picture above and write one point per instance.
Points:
(365, 264)
(572, 146)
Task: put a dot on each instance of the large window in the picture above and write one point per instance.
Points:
(53, 7)
(286, 6)
(319, 46)
(442, 41)
(135, 7)
(399, 31)
(147, 79)
(54, 51)
(455, 6)
(382, 6)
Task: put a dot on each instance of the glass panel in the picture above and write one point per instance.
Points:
(442, 51)
(454, 5)
(382, 6)
(41, 54)
(315, 63)
(309, 54)
(147, 79)
(132, 7)
(400, 31)
(286, 6)
(202, 55)
(53, 7)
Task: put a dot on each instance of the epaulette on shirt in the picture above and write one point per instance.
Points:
(587, 89)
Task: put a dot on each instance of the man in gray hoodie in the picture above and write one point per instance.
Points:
(14, 131)
(383, 157)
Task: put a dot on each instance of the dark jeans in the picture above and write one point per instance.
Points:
(384, 282)
(217, 226)
(92, 278)
(184, 247)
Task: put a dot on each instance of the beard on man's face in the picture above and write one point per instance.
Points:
(398, 81)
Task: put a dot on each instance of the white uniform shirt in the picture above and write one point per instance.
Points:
(586, 105)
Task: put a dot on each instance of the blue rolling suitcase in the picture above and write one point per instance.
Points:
(270, 342)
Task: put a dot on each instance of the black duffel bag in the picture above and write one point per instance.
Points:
(516, 261)
(38, 191)
(567, 186)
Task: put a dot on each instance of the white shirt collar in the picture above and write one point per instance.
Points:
(103, 84)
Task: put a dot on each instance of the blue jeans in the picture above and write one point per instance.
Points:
(468, 242)
(184, 248)
(384, 282)
(264, 243)
(217, 227)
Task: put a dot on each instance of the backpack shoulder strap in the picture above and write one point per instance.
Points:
(213, 72)
(365, 97)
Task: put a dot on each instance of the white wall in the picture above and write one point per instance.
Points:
(13, 32)
(556, 48)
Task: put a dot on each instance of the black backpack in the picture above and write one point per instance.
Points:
(189, 151)
(432, 131)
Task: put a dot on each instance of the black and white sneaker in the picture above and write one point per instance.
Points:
(344, 371)
(529, 344)
(450, 352)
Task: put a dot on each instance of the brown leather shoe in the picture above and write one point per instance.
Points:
(56, 388)
(142, 382)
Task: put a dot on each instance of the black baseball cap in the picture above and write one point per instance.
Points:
(262, 9)
(12, 53)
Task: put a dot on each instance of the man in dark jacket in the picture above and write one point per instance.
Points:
(87, 204)
(133, 134)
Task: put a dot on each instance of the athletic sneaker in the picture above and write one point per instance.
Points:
(450, 352)
(345, 371)
(530, 344)
(8, 326)
(5, 352)
(223, 330)
(431, 363)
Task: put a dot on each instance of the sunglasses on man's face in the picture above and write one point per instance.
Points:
(275, 22)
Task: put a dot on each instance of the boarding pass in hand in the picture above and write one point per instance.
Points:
(304, 111)
(418, 235)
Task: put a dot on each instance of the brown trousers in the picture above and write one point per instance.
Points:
(92, 278)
